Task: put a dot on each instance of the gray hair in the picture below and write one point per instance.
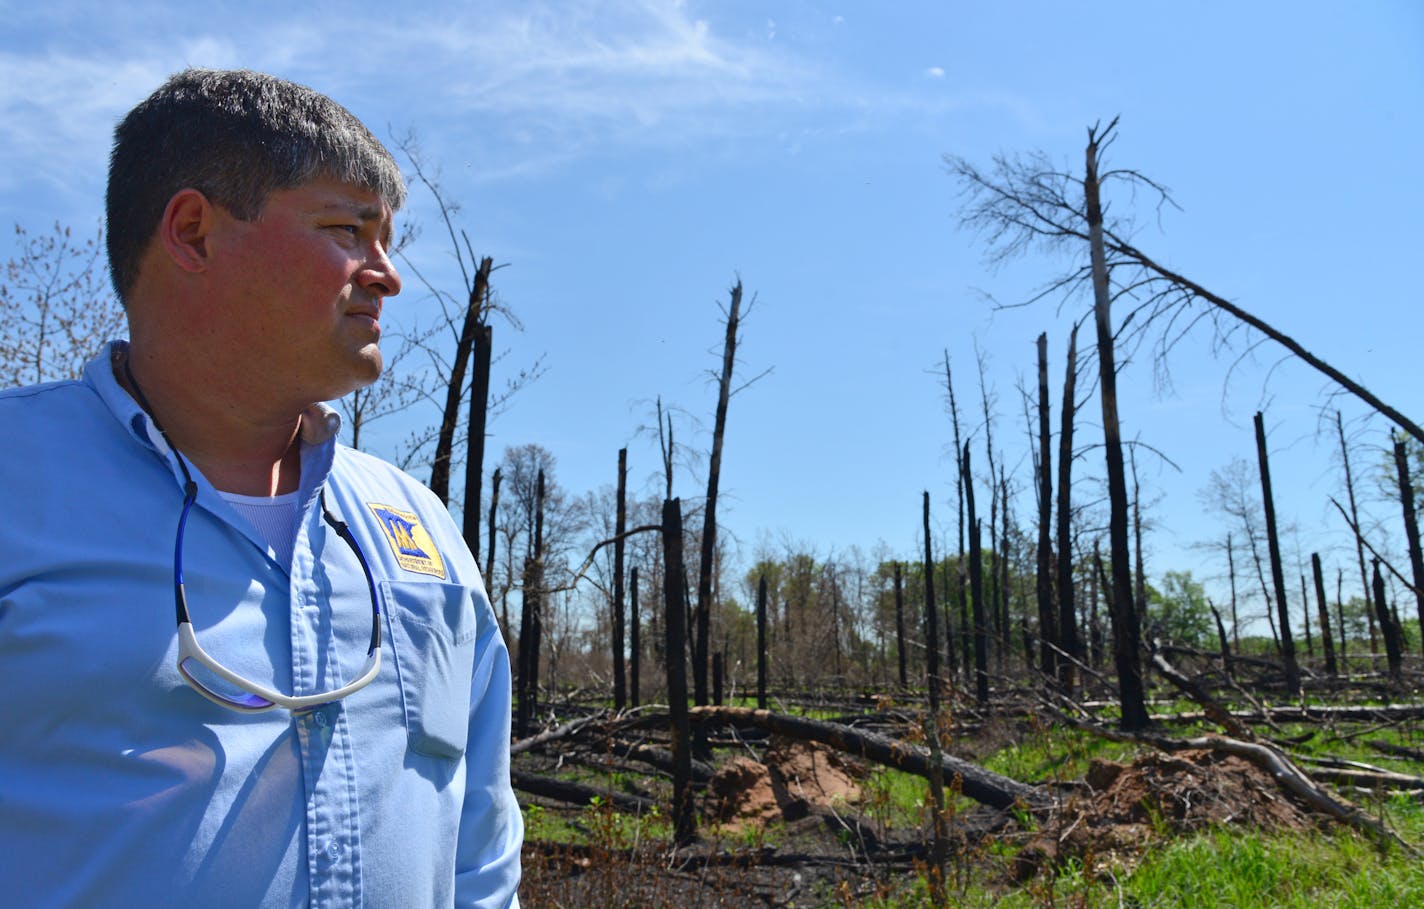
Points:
(235, 136)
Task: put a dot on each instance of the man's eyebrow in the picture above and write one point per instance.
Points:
(366, 212)
(363, 210)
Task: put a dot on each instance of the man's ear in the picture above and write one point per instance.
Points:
(184, 228)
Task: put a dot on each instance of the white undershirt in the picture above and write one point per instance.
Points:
(274, 518)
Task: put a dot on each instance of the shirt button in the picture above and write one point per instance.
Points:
(334, 851)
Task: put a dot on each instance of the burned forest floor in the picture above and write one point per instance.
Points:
(1307, 802)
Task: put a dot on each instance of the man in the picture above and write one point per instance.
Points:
(325, 720)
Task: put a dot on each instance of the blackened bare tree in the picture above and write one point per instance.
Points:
(674, 624)
(709, 511)
(620, 526)
(1354, 518)
(976, 589)
(1126, 632)
(1027, 201)
(1411, 528)
(1389, 626)
(1323, 608)
(1067, 618)
(1277, 570)
(1047, 615)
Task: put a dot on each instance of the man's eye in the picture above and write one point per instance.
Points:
(352, 229)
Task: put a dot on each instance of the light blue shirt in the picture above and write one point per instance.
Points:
(121, 786)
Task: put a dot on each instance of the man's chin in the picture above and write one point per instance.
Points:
(365, 371)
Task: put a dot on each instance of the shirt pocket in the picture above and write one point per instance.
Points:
(433, 631)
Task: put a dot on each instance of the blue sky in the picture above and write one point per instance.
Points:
(629, 160)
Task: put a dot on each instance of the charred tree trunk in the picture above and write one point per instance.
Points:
(1355, 522)
(1326, 643)
(1003, 563)
(976, 591)
(475, 443)
(761, 642)
(1305, 615)
(674, 619)
(620, 527)
(1411, 529)
(1139, 586)
(1067, 616)
(900, 625)
(1221, 639)
(1273, 544)
(709, 514)
(1047, 615)
(1126, 633)
(455, 388)
(489, 560)
(1097, 581)
(1393, 647)
(947, 612)
(525, 707)
(635, 644)
(1231, 573)
(932, 683)
(531, 629)
(959, 475)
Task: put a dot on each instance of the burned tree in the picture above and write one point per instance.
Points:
(1326, 639)
(1031, 203)
(1067, 619)
(709, 512)
(1411, 528)
(1277, 571)
(674, 625)
(620, 527)
(976, 589)
(1047, 618)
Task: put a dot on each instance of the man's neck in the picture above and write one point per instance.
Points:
(240, 450)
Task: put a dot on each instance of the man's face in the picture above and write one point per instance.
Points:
(304, 284)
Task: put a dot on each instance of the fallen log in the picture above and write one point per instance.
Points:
(553, 735)
(660, 758)
(981, 785)
(578, 793)
(1413, 754)
(1374, 780)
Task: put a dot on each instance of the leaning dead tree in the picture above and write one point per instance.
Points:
(1027, 202)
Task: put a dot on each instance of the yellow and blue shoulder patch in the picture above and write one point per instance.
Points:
(411, 543)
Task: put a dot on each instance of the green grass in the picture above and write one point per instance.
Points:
(1216, 868)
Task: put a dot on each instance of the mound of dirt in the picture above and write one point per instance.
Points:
(1128, 804)
(795, 779)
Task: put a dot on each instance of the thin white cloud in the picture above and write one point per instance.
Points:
(513, 88)
(935, 72)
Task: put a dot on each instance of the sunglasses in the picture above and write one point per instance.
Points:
(221, 685)
(206, 675)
